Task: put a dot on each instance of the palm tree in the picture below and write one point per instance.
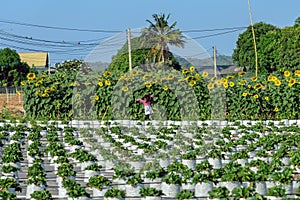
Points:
(159, 34)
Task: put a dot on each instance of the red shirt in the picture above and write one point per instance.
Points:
(144, 101)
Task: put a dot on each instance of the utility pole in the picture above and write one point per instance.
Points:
(215, 60)
(129, 49)
(254, 41)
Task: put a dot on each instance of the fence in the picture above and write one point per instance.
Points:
(11, 99)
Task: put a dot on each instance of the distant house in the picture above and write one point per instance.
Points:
(39, 60)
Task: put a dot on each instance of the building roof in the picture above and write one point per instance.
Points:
(36, 59)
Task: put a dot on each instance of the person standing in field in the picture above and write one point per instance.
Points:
(147, 101)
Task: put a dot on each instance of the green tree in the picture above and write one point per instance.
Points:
(278, 50)
(139, 57)
(243, 55)
(288, 49)
(120, 61)
(297, 22)
(73, 65)
(159, 34)
(269, 58)
(12, 70)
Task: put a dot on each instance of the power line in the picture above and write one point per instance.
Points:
(51, 41)
(216, 34)
(60, 28)
(215, 29)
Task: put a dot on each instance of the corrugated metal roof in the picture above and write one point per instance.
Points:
(36, 59)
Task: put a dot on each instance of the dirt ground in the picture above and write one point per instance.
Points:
(12, 103)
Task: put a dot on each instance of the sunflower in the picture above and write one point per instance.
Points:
(276, 109)
(185, 71)
(255, 96)
(241, 73)
(254, 78)
(192, 83)
(197, 76)
(229, 77)
(106, 74)
(224, 80)
(19, 92)
(225, 85)
(188, 78)
(23, 83)
(123, 75)
(192, 68)
(45, 95)
(146, 77)
(37, 84)
(219, 82)
(204, 74)
(170, 77)
(277, 82)
(249, 86)
(52, 88)
(231, 84)
(96, 98)
(287, 73)
(258, 86)
(267, 98)
(124, 88)
(100, 83)
(210, 86)
(148, 84)
(213, 79)
(107, 82)
(165, 88)
(292, 82)
(31, 76)
(134, 73)
(244, 94)
(243, 82)
(38, 92)
(47, 90)
(272, 78)
(297, 73)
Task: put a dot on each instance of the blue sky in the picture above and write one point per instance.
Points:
(118, 15)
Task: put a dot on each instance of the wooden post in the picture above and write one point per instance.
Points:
(129, 49)
(215, 61)
(254, 41)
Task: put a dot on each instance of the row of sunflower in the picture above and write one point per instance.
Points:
(264, 97)
(174, 96)
(48, 96)
(186, 94)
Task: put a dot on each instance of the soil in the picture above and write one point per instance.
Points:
(11, 104)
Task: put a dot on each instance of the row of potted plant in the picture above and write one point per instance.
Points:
(230, 144)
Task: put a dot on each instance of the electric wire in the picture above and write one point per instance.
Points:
(89, 47)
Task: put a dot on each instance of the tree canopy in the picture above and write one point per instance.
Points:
(140, 57)
(151, 46)
(243, 55)
(159, 34)
(277, 48)
(12, 70)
